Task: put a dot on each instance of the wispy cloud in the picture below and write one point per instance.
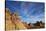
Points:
(28, 11)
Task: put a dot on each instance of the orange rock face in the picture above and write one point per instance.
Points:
(13, 22)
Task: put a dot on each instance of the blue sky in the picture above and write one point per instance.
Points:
(28, 11)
